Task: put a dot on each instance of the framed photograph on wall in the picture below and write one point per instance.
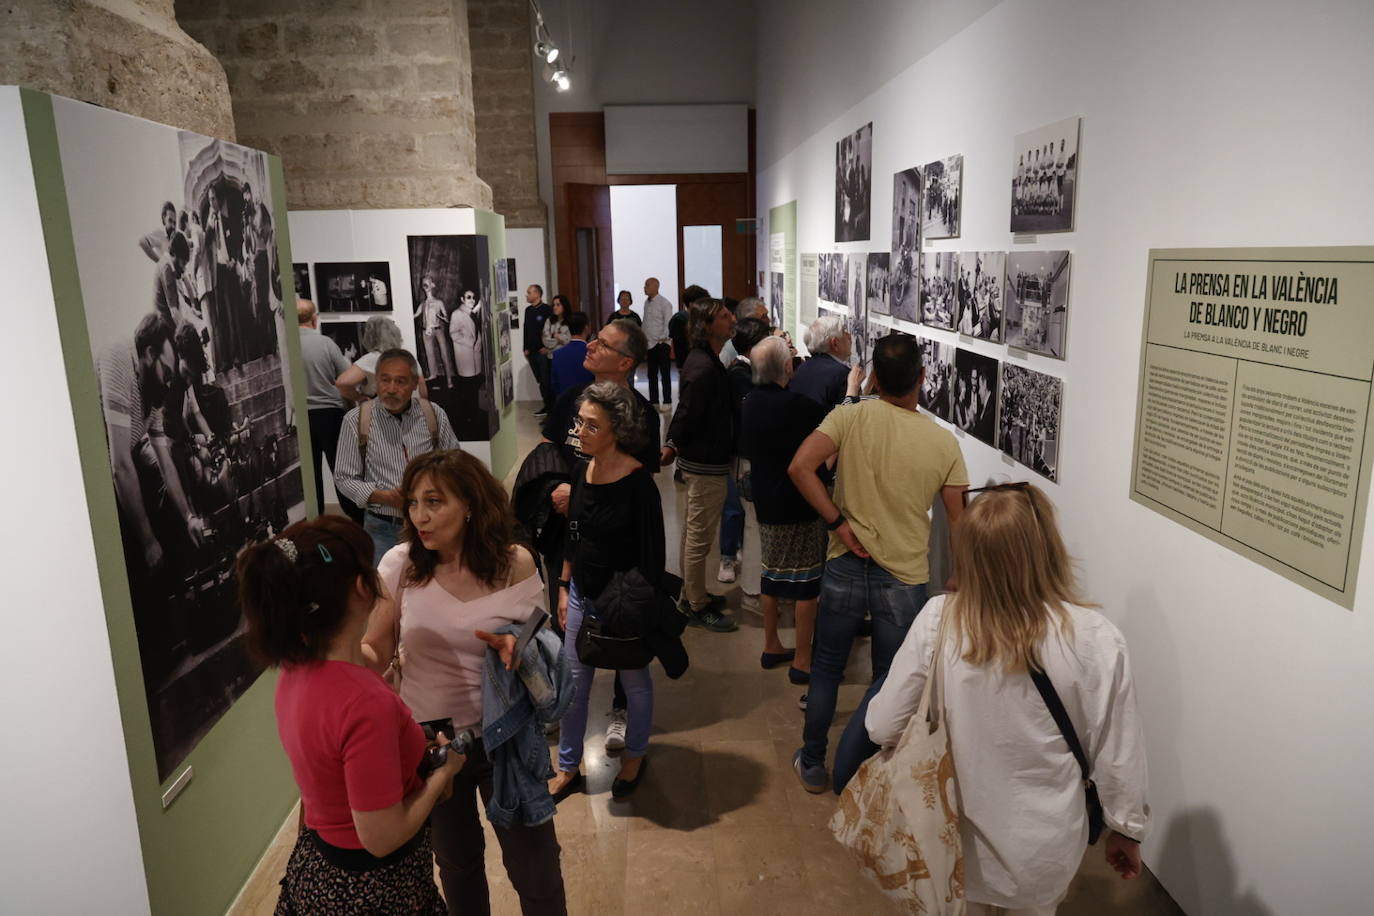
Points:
(854, 185)
(1045, 177)
(1028, 424)
(980, 294)
(876, 282)
(973, 399)
(940, 289)
(944, 187)
(1037, 301)
(363, 286)
(937, 359)
(348, 335)
(301, 273)
(904, 264)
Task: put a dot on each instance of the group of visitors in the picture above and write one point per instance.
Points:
(411, 685)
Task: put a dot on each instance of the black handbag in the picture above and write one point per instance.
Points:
(600, 649)
(1061, 718)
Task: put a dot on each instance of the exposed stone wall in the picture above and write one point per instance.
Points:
(125, 55)
(368, 102)
(503, 96)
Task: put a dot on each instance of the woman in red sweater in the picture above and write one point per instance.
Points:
(354, 748)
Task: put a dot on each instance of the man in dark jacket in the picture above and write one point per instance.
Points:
(677, 325)
(823, 377)
(701, 437)
(537, 311)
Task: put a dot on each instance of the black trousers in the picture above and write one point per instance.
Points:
(325, 423)
(660, 366)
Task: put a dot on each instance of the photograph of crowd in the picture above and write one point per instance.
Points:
(1028, 429)
(776, 282)
(937, 362)
(853, 185)
(904, 291)
(348, 336)
(973, 397)
(833, 281)
(943, 194)
(1044, 176)
(503, 338)
(451, 288)
(301, 273)
(940, 289)
(179, 272)
(1037, 301)
(980, 294)
(358, 287)
(876, 283)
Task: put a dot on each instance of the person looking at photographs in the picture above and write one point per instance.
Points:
(879, 527)
(678, 325)
(323, 363)
(823, 378)
(624, 308)
(438, 346)
(400, 430)
(359, 381)
(456, 577)
(658, 314)
(615, 525)
(353, 745)
(537, 312)
(1017, 610)
(556, 332)
(567, 366)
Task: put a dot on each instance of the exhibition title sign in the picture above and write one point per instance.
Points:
(1253, 413)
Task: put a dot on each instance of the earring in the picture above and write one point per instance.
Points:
(468, 517)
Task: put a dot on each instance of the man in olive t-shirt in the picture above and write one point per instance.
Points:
(893, 462)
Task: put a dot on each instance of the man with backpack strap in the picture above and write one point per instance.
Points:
(379, 438)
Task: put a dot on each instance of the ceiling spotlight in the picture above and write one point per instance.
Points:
(546, 50)
(561, 80)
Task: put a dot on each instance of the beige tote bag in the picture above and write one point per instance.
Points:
(899, 815)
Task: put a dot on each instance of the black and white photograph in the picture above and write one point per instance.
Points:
(451, 285)
(178, 264)
(1044, 178)
(503, 335)
(301, 273)
(507, 385)
(940, 289)
(875, 284)
(502, 285)
(776, 279)
(904, 265)
(937, 360)
(348, 335)
(857, 322)
(356, 287)
(1028, 425)
(980, 294)
(1037, 301)
(512, 284)
(854, 185)
(944, 179)
(834, 278)
(973, 396)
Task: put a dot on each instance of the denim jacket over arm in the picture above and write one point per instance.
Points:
(515, 706)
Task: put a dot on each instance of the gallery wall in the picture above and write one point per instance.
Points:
(1216, 124)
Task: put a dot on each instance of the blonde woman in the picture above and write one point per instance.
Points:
(1025, 819)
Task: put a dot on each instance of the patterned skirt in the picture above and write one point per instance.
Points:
(793, 557)
(405, 884)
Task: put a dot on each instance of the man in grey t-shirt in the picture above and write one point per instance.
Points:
(324, 362)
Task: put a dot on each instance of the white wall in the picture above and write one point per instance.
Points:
(1225, 123)
(65, 796)
(527, 247)
(643, 241)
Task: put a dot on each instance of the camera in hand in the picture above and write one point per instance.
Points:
(435, 755)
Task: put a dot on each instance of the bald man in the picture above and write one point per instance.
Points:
(324, 362)
(657, 312)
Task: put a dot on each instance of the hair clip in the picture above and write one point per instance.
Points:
(324, 553)
(288, 547)
(312, 607)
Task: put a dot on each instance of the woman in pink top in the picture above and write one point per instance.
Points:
(456, 577)
(353, 746)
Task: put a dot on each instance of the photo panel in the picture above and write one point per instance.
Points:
(363, 286)
(1037, 301)
(451, 286)
(1045, 177)
(507, 385)
(980, 294)
(973, 398)
(904, 264)
(301, 273)
(776, 282)
(1028, 425)
(503, 339)
(944, 180)
(854, 185)
(940, 289)
(348, 335)
(937, 359)
(876, 283)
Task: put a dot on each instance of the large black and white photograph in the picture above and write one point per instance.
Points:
(854, 185)
(1037, 301)
(301, 273)
(1028, 425)
(776, 280)
(904, 265)
(944, 183)
(1044, 178)
(503, 335)
(348, 335)
(973, 397)
(875, 283)
(178, 263)
(356, 287)
(937, 363)
(454, 323)
(940, 289)
(834, 278)
(980, 294)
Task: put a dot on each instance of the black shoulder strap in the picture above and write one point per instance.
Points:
(1061, 717)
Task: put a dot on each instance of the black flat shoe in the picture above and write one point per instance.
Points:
(572, 787)
(773, 659)
(797, 676)
(623, 787)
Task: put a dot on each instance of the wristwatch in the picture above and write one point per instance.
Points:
(839, 520)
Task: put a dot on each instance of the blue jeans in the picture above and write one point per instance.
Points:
(639, 694)
(386, 533)
(731, 520)
(849, 587)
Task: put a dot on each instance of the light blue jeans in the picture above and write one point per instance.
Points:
(639, 692)
(385, 534)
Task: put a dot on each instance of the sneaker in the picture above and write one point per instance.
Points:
(813, 779)
(615, 732)
(729, 570)
(713, 620)
(801, 703)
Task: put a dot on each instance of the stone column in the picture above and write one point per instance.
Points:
(126, 55)
(503, 95)
(368, 102)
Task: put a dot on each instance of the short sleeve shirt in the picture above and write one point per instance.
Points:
(121, 394)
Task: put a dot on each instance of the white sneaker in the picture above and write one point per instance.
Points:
(615, 732)
(729, 569)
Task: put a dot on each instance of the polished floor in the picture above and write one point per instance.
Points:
(719, 824)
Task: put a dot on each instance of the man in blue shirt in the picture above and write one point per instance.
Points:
(568, 370)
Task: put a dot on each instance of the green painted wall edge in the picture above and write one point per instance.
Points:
(493, 226)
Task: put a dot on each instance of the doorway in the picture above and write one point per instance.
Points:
(643, 242)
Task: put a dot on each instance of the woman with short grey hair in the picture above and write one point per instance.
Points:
(359, 381)
(620, 407)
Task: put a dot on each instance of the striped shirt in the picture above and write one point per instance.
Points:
(391, 443)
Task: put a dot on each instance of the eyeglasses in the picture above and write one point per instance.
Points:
(601, 342)
(1020, 485)
(579, 425)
